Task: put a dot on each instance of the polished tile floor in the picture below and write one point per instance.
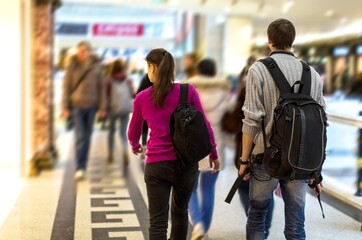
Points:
(111, 204)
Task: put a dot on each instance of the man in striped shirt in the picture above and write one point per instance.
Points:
(261, 98)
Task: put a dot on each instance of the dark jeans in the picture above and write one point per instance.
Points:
(83, 124)
(243, 191)
(123, 119)
(261, 194)
(160, 178)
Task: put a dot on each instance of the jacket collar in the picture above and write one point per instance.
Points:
(282, 52)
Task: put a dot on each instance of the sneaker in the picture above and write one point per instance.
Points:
(198, 232)
(79, 175)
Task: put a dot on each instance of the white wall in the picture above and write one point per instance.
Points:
(237, 44)
(10, 92)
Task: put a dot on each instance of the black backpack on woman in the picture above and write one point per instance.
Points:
(189, 133)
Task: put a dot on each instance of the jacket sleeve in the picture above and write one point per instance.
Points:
(67, 84)
(253, 108)
(195, 101)
(135, 126)
(102, 80)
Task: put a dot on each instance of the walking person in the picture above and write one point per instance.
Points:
(119, 101)
(213, 93)
(83, 96)
(261, 99)
(163, 172)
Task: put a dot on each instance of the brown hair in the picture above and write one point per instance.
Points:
(281, 33)
(117, 66)
(165, 74)
(85, 44)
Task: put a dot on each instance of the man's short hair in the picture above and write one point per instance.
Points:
(281, 33)
(85, 44)
(207, 67)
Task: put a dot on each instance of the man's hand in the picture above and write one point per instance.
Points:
(102, 114)
(316, 188)
(137, 151)
(66, 114)
(214, 164)
(244, 168)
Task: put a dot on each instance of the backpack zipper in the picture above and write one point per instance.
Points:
(302, 137)
(292, 137)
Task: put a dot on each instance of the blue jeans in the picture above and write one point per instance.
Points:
(124, 119)
(161, 178)
(261, 193)
(83, 126)
(201, 212)
(243, 191)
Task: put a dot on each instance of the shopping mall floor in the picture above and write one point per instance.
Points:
(112, 204)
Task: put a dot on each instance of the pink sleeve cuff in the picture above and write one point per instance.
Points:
(213, 154)
(136, 147)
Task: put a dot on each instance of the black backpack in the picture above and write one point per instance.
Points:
(189, 133)
(298, 138)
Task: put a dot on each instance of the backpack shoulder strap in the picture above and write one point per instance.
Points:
(184, 89)
(306, 78)
(276, 74)
(80, 80)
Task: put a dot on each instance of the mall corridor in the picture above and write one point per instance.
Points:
(112, 204)
(65, 59)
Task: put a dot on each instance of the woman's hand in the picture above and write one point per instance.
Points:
(214, 164)
(137, 151)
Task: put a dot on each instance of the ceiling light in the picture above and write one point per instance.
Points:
(158, 1)
(287, 6)
(173, 2)
(329, 13)
(220, 19)
(343, 20)
(227, 9)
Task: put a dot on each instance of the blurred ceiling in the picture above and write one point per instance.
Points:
(309, 16)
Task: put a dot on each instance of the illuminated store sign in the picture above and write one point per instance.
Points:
(71, 28)
(118, 30)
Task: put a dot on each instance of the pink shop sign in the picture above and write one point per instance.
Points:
(117, 30)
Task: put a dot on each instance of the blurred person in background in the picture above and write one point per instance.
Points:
(164, 172)
(190, 62)
(119, 106)
(213, 94)
(83, 95)
(341, 80)
(242, 75)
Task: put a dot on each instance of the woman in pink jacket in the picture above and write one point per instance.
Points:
(163, 171)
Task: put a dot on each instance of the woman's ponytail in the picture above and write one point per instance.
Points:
(165, 74)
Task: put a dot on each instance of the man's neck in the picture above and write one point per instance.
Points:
(275, 49)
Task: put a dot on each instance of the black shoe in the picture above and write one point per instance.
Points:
(110, 159)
